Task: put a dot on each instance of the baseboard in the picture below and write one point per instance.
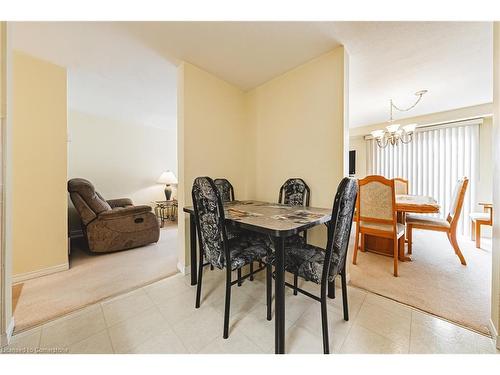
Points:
(5, 338)
(43, 272)
(185, 270)
(494, 334)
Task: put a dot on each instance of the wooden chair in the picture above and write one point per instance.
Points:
(480, 218)
(401, 186)
(376, 208)
(448, 225)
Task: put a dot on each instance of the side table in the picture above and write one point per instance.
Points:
(166, 210)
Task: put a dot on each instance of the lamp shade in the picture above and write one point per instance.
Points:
(167, 177)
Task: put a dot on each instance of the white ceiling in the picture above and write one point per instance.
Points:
(127, 69)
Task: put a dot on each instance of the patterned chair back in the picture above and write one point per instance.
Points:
(295, 192)
(401, 186)
(209, 216)
(225, 188)
(339, 229)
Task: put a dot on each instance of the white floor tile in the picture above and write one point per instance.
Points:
(136, 330)
(165, 343)
(73, 328)
(201, 328)
(363, 341)
(125, 306)
(99, 343)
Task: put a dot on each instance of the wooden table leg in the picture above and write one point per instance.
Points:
(279, 293)
(192, 240)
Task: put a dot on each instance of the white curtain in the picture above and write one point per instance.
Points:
(432, 163)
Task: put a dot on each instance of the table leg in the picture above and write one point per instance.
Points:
(279, 293)
(192, 240)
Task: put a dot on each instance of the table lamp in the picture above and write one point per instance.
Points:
(168, 178)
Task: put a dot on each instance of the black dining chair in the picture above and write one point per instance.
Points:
(295, 192)
(219, 251)
(225, 189)
(321, 266)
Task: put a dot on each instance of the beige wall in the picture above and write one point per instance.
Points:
(495, 290)
(260, 138)
(298, 119)
(39, 202)
(212, 137)
(121, 159)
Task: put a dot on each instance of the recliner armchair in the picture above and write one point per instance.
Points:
(112, 225)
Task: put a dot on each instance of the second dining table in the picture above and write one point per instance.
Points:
(278, 221)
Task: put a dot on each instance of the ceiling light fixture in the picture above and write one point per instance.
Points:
(394, 133)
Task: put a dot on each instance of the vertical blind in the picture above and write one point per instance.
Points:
(432, 163)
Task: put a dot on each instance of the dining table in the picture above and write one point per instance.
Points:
(279, 221)
(405, 203)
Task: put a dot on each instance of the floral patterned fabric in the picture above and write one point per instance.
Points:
(307, 261)
(249, 247)
(376, 200)
(294, 192)
(209, 214)
(225, 189)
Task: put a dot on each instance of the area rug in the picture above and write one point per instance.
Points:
(434, 281)
(92, 278)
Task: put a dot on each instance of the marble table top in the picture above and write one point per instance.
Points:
(279, 220)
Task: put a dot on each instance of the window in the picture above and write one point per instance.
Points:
(433, 162)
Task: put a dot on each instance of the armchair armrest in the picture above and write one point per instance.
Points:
(121, 202)
(126, 211)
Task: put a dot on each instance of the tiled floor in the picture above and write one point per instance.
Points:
(161, 318)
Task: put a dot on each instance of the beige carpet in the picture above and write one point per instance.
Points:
(92, 278)
(434, 281)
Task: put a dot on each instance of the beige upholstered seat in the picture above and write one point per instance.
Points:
(480, 218)
(376, 215)
(385, 227)
(427, 220)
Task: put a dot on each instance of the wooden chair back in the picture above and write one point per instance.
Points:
(457, 202)
(401, 186)
(376, 201)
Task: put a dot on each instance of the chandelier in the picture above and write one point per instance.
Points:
(394, 133)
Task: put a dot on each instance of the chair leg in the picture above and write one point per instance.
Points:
(409, 234)
(227, 303)
(198, 287)
(344, 295)
(355, 252)
(478, 235)
(295, 283)
(362, 248)
(251, 271)
(453, 240)
(239, 276)
(211, 267)
(396, 256)
(472, 230)
(324, 325)
(269, 291)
